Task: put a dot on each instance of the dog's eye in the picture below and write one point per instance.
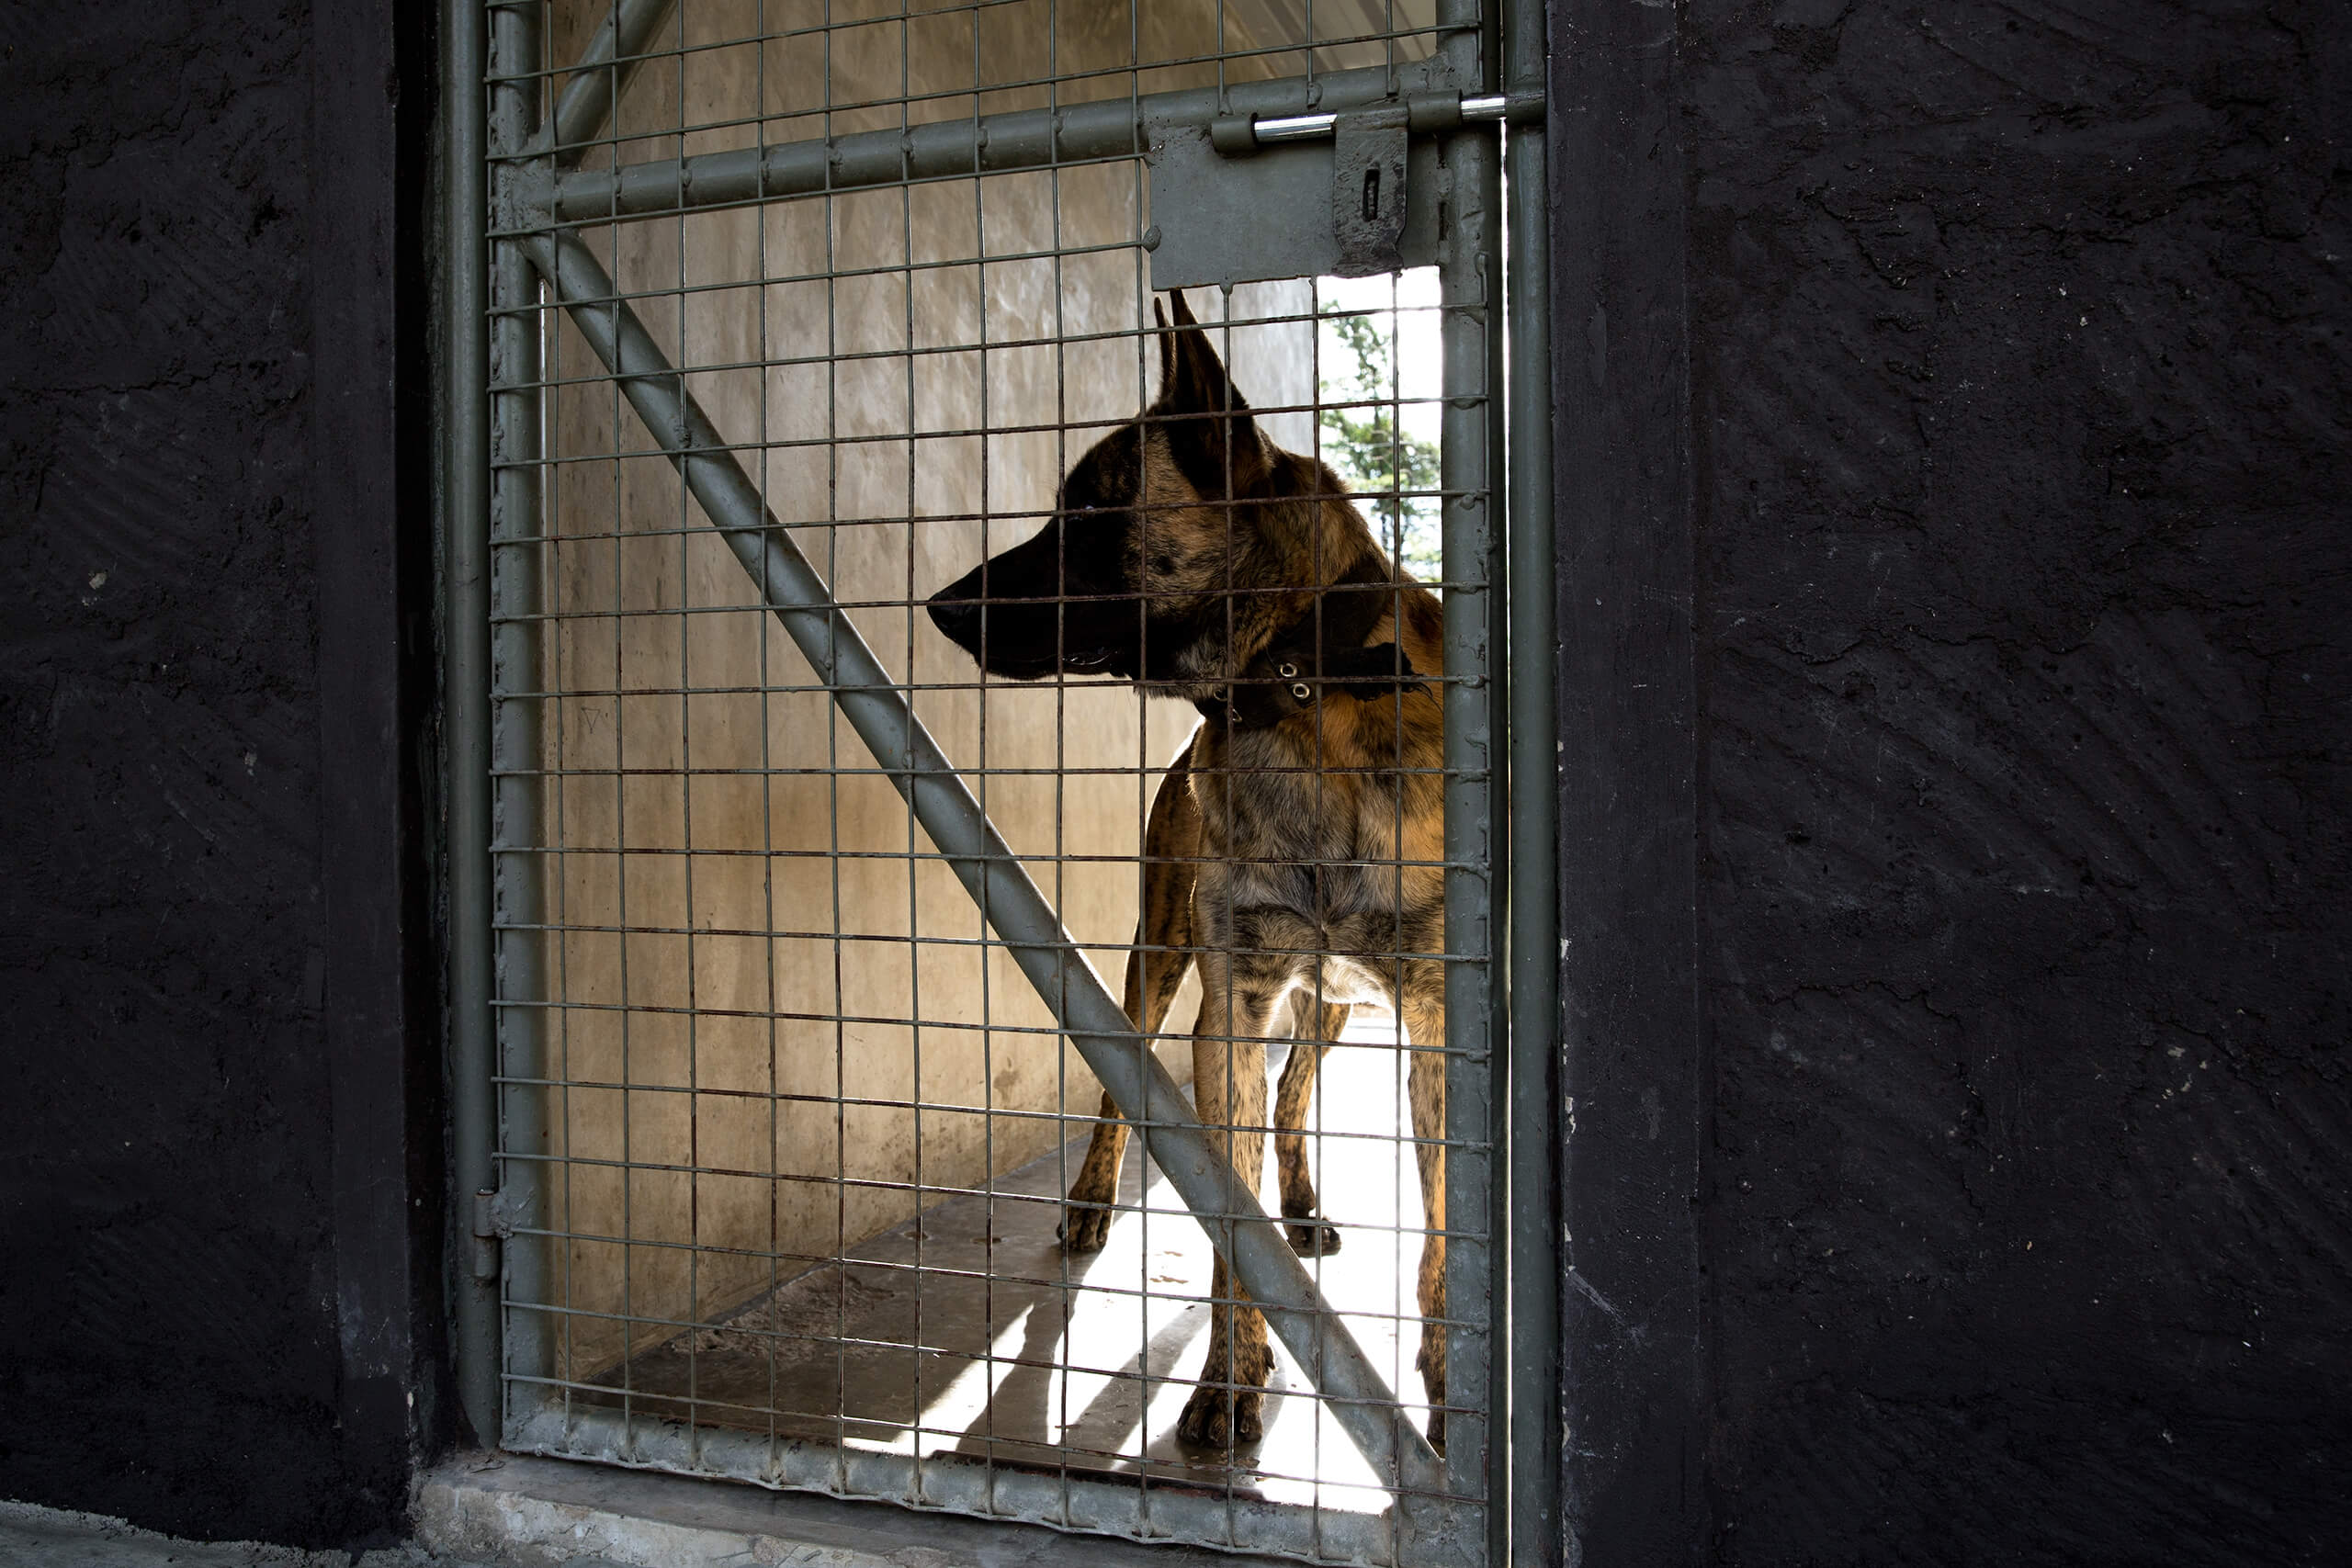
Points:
(1163, 562)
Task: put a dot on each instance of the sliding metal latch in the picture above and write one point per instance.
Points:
(1234, 201)
(1426, 114)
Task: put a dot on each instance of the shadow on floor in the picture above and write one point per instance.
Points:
(967, 1332)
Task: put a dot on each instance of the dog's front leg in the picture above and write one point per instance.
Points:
(1155, 971)
(1093, 1197)
(1156, 967)
(1086, 1221)
(1229, 1091)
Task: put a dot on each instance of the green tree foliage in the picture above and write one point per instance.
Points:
(1364, 443)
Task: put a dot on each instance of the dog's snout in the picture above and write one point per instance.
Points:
(1031, 612)
(956, 620)
(956, 611)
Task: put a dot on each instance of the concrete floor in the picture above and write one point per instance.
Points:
(967, 1332)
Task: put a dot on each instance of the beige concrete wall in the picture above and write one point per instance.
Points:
(766, 976)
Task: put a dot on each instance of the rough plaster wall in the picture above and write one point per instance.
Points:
(167, 1301)
(760, 819)
(2019, 402)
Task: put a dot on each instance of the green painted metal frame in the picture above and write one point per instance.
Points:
(1499, 1098)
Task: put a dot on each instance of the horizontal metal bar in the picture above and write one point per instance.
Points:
(1068, 1499)
(1188, 1155)
(676, 289)
(1025, 139)
(1069, 86)
(942, 1108)
(1429, 112)
(926, 1026)
(926, 1273)
(1476, 1325)
(707, 1412)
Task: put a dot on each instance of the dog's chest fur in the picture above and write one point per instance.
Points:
(1311, 844)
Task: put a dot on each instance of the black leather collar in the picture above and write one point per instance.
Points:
(1322, 647)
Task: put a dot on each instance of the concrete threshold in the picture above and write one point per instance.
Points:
(537, 1513)
(36, 1537)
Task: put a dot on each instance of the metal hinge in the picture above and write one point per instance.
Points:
(493, 1223)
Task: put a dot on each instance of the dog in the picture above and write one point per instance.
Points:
(1293, 850)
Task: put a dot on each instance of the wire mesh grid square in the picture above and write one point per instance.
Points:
(797, 1128)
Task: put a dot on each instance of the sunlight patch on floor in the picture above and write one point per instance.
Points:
(968, 1334)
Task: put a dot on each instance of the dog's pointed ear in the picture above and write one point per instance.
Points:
(1207, 422)
(1191, 377)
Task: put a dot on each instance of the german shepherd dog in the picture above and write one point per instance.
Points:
(1292, 849)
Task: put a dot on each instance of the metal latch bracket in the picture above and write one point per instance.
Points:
(1237, 200)
(1337, 205)
(1368, 192)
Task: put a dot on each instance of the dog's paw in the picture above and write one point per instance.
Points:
(1220, 1418)
(1084, 1229)
(1310, 1236)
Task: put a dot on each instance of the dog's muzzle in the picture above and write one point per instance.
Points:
(959, 615)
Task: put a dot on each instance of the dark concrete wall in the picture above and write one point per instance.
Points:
(1954, 836)
(208, 1089)
(1978, 372)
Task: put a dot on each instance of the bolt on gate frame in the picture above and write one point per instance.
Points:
(520, 197)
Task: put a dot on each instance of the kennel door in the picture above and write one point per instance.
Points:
(784, 1002)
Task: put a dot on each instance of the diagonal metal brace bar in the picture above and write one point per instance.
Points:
(1016, 138)
(594, 90)
(1187, 1151)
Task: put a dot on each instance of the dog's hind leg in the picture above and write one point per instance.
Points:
(1425, 1087)
(1314, 1026)
(1156, 967)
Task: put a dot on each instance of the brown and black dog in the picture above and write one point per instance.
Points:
(1293, 851)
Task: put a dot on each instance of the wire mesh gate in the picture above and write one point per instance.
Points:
(785, 316)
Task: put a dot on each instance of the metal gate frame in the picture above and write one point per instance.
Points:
(506, 190)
